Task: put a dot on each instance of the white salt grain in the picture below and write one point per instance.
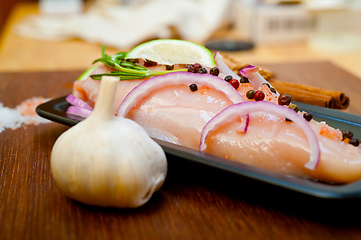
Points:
(12, 118)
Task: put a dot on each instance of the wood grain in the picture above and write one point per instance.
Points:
(196, 202)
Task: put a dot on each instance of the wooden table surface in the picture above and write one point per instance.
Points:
(196, 202)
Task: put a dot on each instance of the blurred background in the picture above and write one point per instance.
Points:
(44, 35)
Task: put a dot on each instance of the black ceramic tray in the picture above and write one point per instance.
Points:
(55, 110)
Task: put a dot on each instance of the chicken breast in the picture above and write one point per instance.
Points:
(176, 114)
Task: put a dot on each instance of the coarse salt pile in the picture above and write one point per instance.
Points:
(24, 113)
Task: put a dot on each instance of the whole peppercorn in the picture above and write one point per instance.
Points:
(244, 80)
(150, 63)
(197, 66)
(169, 67)
(354, 141)
(234, 83)
(228, 78)
(190, 68)
(259, 95)
(294, 107)
(250, 94)
(284, 99)
(270, 88)
(307, 116)
(193, 87)
(202, 70)
(214, 71)
(346, 134)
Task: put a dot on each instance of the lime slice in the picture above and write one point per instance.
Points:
(172, 51)
(87, 73)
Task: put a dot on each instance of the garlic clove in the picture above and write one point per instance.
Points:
(107, 160)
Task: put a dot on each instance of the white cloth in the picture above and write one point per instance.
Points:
(123, 26)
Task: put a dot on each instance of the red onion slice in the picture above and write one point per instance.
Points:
(242, 109)
(223, 67)
(78, 111)
(251, 72)
(176, 78)
(77, 102)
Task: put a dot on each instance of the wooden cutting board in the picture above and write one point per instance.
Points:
(196, 202)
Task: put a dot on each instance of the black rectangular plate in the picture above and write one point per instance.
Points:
(55, 110)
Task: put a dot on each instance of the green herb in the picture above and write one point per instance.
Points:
(125, 70)
(118, 56)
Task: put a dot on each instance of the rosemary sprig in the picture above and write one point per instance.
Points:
(122, 76)
(125, 70)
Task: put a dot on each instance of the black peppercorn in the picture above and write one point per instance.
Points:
(273, 90)
(202, 70)
(244, 80)
(269, 86)
(307, 116)
(193, 87)
(150, 63)
(214, 71)
(354, 141)
(169, 67)
(228, 78)
(346, 134)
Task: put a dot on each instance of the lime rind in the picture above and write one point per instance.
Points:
(173, 51)
(87, 73)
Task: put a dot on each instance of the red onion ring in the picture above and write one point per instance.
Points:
(77, 102)
(176, 78)
(223, 67)
(78, 111)
(245, 108)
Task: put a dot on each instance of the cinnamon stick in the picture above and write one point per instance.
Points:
(312, 95)
(299, 92)
(237, 66)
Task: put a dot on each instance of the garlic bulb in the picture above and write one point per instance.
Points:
(107, 160)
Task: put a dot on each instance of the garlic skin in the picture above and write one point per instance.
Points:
(106, 160)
